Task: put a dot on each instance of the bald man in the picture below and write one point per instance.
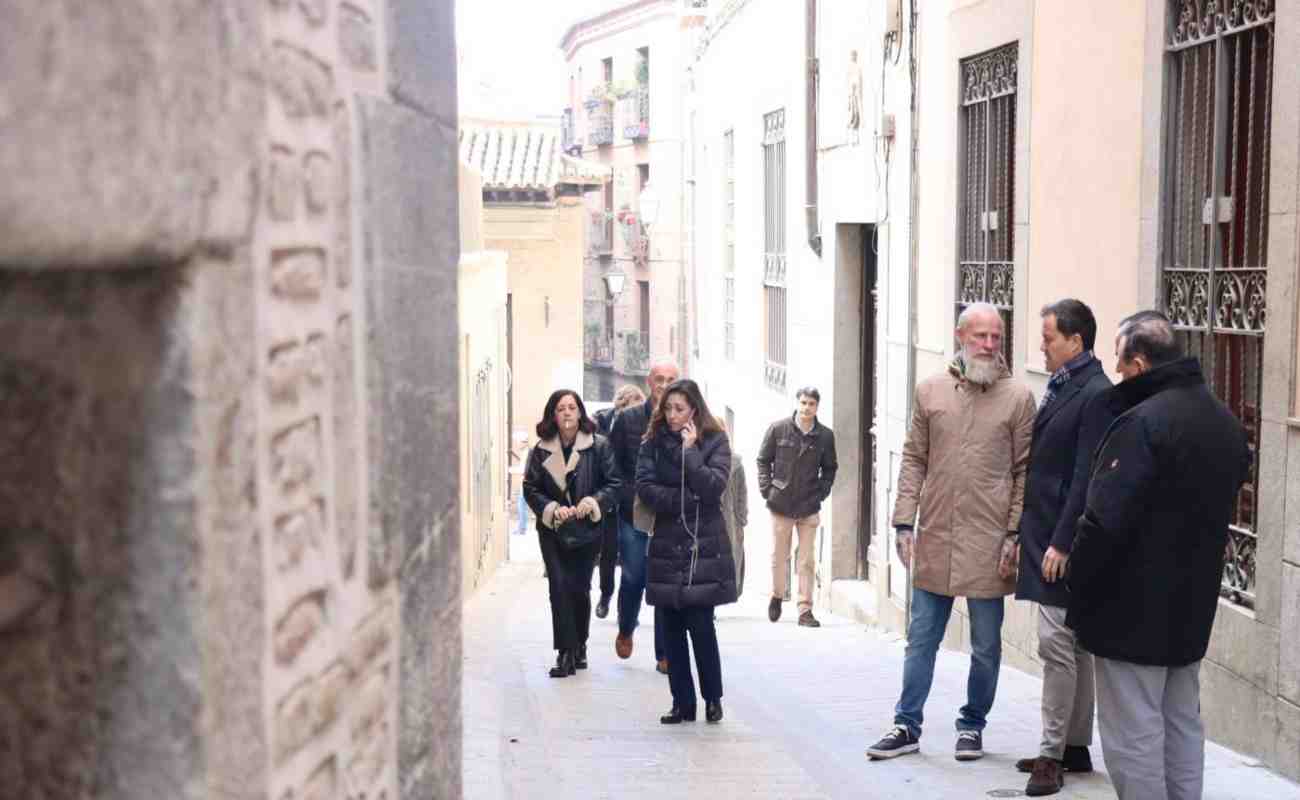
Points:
(625, 435)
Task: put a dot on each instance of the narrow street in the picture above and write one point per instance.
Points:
(801, 706)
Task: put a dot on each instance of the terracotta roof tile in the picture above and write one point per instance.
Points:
(513, 156)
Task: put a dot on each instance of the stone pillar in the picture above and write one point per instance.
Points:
(229, 561)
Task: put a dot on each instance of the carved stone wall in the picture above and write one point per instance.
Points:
(227, 541)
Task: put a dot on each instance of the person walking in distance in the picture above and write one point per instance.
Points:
(735, 511)
(1148, 555)
(681, 473)
(960, 490)
(796, 468)
(571, 483)
(627, 395)
(1071, 420)
(625, 436)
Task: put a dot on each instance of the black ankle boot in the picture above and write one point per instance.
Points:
(678, 715)
(713, 711)
(580, 658)
(564, 666)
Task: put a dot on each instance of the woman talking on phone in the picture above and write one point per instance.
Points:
(571, 482)
(681, 473)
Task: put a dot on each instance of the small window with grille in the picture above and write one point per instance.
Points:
(986, 271)
(1214, 269)
(774, 263)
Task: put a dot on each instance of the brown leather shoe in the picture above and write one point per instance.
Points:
(623, 646)
(1077, 759)
(807, 620)
(662, 666)
(1047, 778)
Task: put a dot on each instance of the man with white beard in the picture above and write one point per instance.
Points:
(963, 470)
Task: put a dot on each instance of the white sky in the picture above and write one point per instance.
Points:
(511, 66)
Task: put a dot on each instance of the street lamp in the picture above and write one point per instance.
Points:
(614, 283)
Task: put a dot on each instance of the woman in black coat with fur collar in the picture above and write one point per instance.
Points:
(681, 473)
(571, 483)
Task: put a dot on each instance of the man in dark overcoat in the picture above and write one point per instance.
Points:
(1071, 420)
(1147, 563)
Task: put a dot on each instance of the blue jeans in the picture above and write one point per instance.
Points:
(632, 546)
(930, 613)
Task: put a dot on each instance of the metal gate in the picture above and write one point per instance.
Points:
(1214, 271)
(986, 238)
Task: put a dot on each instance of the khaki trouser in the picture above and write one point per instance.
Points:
(1067, 685)
(782, 530)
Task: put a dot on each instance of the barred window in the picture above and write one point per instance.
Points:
(729, 245)
(774, 290)
(986, 270)
(1214, 269)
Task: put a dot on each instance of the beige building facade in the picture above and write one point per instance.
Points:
(625, 112)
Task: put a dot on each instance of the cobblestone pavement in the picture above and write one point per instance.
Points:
(801, 706)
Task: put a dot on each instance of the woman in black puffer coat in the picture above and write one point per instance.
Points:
(681, 473)
(571, 483)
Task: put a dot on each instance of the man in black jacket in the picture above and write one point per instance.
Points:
(1071, 420)
(625, 436)
(1148, 555)
(796, 467)
(627, 395)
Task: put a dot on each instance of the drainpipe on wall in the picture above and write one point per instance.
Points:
(810, 135)
(914, 204)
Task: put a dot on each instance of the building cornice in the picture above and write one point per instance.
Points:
(611, 22)
(716, 24)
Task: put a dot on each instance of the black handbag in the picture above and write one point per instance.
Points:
(576, 532)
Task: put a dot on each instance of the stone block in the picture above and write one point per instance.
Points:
(1290, 532)
(1288, 674)
(1288, 740)
(1271, 519)
(1245, 646)
(1237, 714)
(186, 105)
(411, 218)
(415, 30)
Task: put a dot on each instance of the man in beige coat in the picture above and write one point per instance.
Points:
(963, 470)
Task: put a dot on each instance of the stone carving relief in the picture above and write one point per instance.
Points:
(282, 183)
(298, 533)
(323, 783)
(298, 274)
(346, 447)
(318, 173)
(342, 136)
(370, 640)
(357, 38)
(296, 456)
(316, 12)
(298, 627)
(369, 731)
(303, 84)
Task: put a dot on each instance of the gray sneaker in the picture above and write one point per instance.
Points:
(970, 745)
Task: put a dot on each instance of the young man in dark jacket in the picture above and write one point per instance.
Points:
(1070, 422)
(627, 395)
(1147, 562)
(796, 468)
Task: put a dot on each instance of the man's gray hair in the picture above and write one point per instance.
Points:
(975, 309)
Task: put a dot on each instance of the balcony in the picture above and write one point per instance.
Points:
(600, 123)
(636, 354)
(598, 350)
(636, 242)
(634, 112)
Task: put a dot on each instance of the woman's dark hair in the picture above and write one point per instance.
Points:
(704, 421)
(547, 429)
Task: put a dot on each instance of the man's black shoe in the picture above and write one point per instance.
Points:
(774, 609)
(676, 716)
(1077, 759)
(899, 741)
(602, 607)
(713, 711)
(580, 658)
